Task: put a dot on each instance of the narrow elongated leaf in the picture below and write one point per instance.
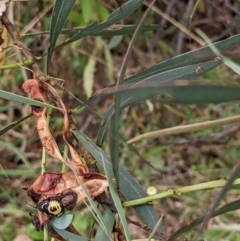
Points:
(115, 197)
(88, 76)
(109, 33)
(116, 40)
(61, 11)
(15, 123)
(114, 123)
(235, 174)
(102, 132)
(115, 17)
(198, 56)
(17, 172)
(108, 218)
(104, 33)
(130, 96)
(187, 73)
(179, 92)
(185, 92)
(70, 236)
(24, 100)
(128, 185)
(192, 93)
(225, 209)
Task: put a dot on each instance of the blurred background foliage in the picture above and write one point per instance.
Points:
(92, 64)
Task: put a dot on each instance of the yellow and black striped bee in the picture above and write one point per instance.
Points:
(50, 208)
(55, 206)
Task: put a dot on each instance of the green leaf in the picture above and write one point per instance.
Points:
(110, 33)
(168, 70)
(61, 11)
(69, 236)
(186, 92)
(127, 184)
(235, 174)
(184, 73)
(17, 172)
(75, 17)
(62, 222)
(114, 41)
(102, 11)
(116, 199)
(130, 96)
(33, 234)
(198, 56)
(115, 17)
(88, 76)
(24, 100)
(114, 123)
(108, 218)
(189, 227)
(87, 10)
(15, 123)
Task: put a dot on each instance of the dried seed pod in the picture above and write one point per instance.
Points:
(37, 90)
(68, 200)
(31, 86)
(55, 193)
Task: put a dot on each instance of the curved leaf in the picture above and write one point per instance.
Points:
(234, 175)
(70, 236)
(108, 218)
(127, 184)
(130, 96)
(15, 123)
(62, 222)
(24, 100)
(114, 123)
(198, 56)
(104, 33)
(102, 132)
(115, 17)
(184, 73)
(115, 197)
(61, 11)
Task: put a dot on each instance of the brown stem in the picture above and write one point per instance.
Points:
(24, 49)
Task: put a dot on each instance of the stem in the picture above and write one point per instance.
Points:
(178, 192)
(14, 66)
(43, 165)
(185, 128)
(17, 41)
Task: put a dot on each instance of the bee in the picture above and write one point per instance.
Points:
(50, 208)
(55, 206)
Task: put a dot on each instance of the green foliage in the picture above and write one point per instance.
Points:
(174, 80)
(61, 11)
